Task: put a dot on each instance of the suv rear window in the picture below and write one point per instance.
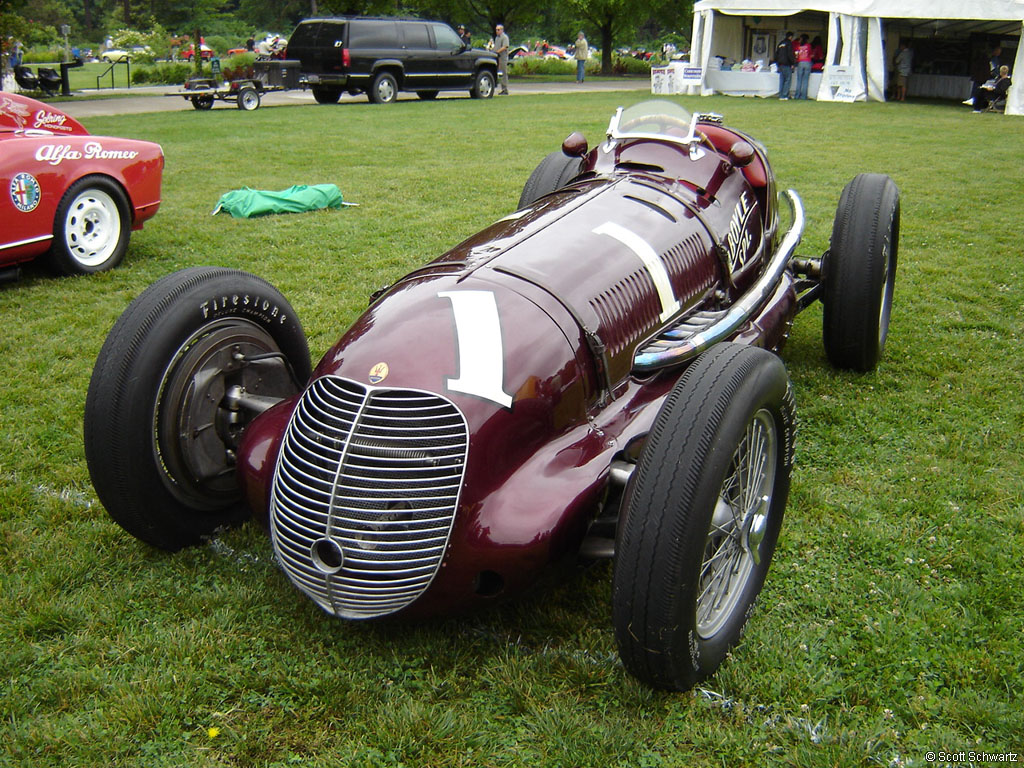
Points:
(304, 34)
(416, 35)
(373, 34)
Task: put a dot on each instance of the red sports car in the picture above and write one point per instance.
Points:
(592, 376)
(66, 194)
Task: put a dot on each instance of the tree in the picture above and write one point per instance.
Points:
(614, 18)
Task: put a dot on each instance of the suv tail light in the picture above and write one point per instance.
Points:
(346, 57)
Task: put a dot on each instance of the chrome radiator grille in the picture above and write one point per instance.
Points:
(364, 494)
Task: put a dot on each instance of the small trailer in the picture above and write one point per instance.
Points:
(245, 92)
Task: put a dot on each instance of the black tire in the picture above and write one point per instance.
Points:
(858, 272)
(248, 99)
(159, 430)
(732, 410)
(325, 94)
(483, 85)
(384, 89)
(91, 228)
(554, 172)
(203, 102)
(427, 95)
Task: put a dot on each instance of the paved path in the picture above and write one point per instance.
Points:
(154, 98)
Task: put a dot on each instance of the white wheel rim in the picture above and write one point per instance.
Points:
(249, 100)
(385, 90)
(738, 525)
(92, 228)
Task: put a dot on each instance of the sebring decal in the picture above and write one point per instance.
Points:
(655, 266)
(738, 239)
(25, 193)
(481, 357)
(378, 373)
(55, 154)
(51, 121)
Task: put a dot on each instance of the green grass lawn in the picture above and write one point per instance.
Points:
(891, 621)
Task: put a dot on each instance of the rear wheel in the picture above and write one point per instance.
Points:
(702, 516)
(553, 172)
(183, 371)
(858, 272)
(91, 228)
(483, 85)
(203, 102)
(384, 89)
(248, 99)
(324, 94)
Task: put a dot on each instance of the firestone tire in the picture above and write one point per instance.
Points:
(858, 272)
(554, 172)
(702, 515)
(163, 414)
(384, 89)
(248, 99)
(325, 95)
(91, 228)
(483, 85)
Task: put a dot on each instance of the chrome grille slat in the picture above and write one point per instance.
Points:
(378, 472)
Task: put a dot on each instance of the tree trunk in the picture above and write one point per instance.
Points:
(127, 12)
(197, 53)
(606, 48)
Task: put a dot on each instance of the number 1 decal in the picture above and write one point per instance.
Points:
(655, 267)
(481, 356)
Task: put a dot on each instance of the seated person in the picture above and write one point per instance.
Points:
(985, 94)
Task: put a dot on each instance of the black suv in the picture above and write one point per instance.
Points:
(383, 56)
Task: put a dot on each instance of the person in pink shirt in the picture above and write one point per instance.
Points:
(803, 67)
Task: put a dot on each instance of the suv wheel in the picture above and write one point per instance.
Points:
(384, 89)
(483, 85)
(326, 94)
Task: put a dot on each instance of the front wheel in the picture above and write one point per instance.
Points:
(702, 516)
(191, 362)
(384, 89)
(91, 228)
(858, 272)
(483, 85)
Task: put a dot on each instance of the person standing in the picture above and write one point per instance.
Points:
(784, 61)
(582, 54)
(501, 48)
(464, 36)
(803, 67)
(903, 63)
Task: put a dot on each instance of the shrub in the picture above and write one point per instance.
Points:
(43, 56)
(163, 73)
(537, 65)
(627, 65)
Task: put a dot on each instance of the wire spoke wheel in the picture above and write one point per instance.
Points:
(737, 526)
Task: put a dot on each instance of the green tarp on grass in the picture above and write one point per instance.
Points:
(245, 203)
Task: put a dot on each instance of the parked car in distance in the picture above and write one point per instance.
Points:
(68, 196)
(593, 376)
(384, 56)
(541, 48)
(204, 50)
(112, 55)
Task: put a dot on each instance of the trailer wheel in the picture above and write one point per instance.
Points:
(203, 102)
(248, 99)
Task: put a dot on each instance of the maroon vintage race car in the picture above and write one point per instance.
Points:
(592, 376)
(69, 195)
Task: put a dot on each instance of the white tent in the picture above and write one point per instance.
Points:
(855, 36)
